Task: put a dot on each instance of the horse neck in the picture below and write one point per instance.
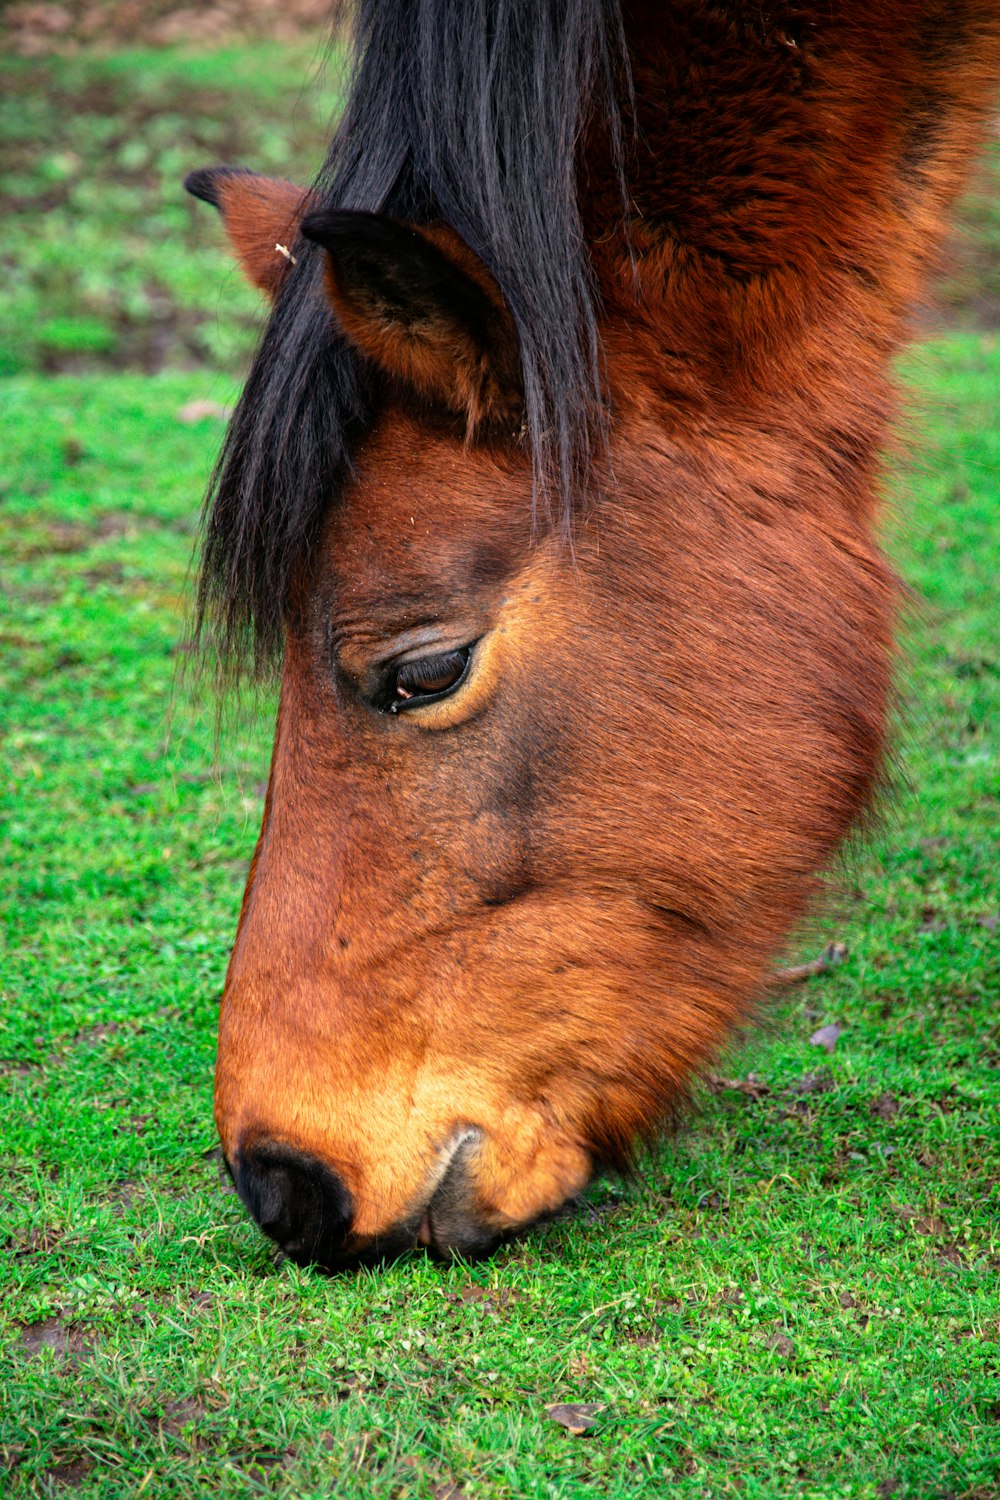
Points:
(788, 187)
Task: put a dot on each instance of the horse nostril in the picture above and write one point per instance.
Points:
(296, 1200)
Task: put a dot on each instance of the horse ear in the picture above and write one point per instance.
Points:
(261, 216)
(419, 304)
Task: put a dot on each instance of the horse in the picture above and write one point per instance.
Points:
(553, 496)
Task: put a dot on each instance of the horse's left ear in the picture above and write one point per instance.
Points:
(419, 304)
(261, 215)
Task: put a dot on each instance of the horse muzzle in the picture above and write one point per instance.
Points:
(307, 1209)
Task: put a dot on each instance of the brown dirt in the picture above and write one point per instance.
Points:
(180, 1415)
(42, 1239)
(97, 1033)
(72, 1472)
(67, 1340)
(492, 1301)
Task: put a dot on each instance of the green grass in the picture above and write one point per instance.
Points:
(107, 262)
(799, 1296)
(146, 1334)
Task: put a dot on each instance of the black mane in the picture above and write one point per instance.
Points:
(468, 111)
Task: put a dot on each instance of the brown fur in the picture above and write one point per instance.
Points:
(437, 358)
(538, 906)
(261, 215)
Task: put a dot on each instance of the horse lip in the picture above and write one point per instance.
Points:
(443, 1165)
(447, 1226)
(451, 1155)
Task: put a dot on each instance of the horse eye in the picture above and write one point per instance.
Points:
(417, 682)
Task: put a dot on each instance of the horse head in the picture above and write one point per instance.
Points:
(549, 794)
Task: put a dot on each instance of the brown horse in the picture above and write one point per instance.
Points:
(554, 487)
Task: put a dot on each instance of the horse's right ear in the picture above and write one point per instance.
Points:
(261, 216)
(418, 303)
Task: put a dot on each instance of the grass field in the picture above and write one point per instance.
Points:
(799, 1296)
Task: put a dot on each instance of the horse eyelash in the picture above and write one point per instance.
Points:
(462, 655)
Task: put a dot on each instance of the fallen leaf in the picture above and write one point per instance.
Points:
(826, 1036)
(200, 411)
(577, 1417)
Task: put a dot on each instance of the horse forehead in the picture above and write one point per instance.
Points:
(424, 507)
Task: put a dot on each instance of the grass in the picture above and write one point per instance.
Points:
(107, 263)
(798, 1297)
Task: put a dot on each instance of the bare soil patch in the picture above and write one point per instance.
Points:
(68, 1340)
(72, 1472)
